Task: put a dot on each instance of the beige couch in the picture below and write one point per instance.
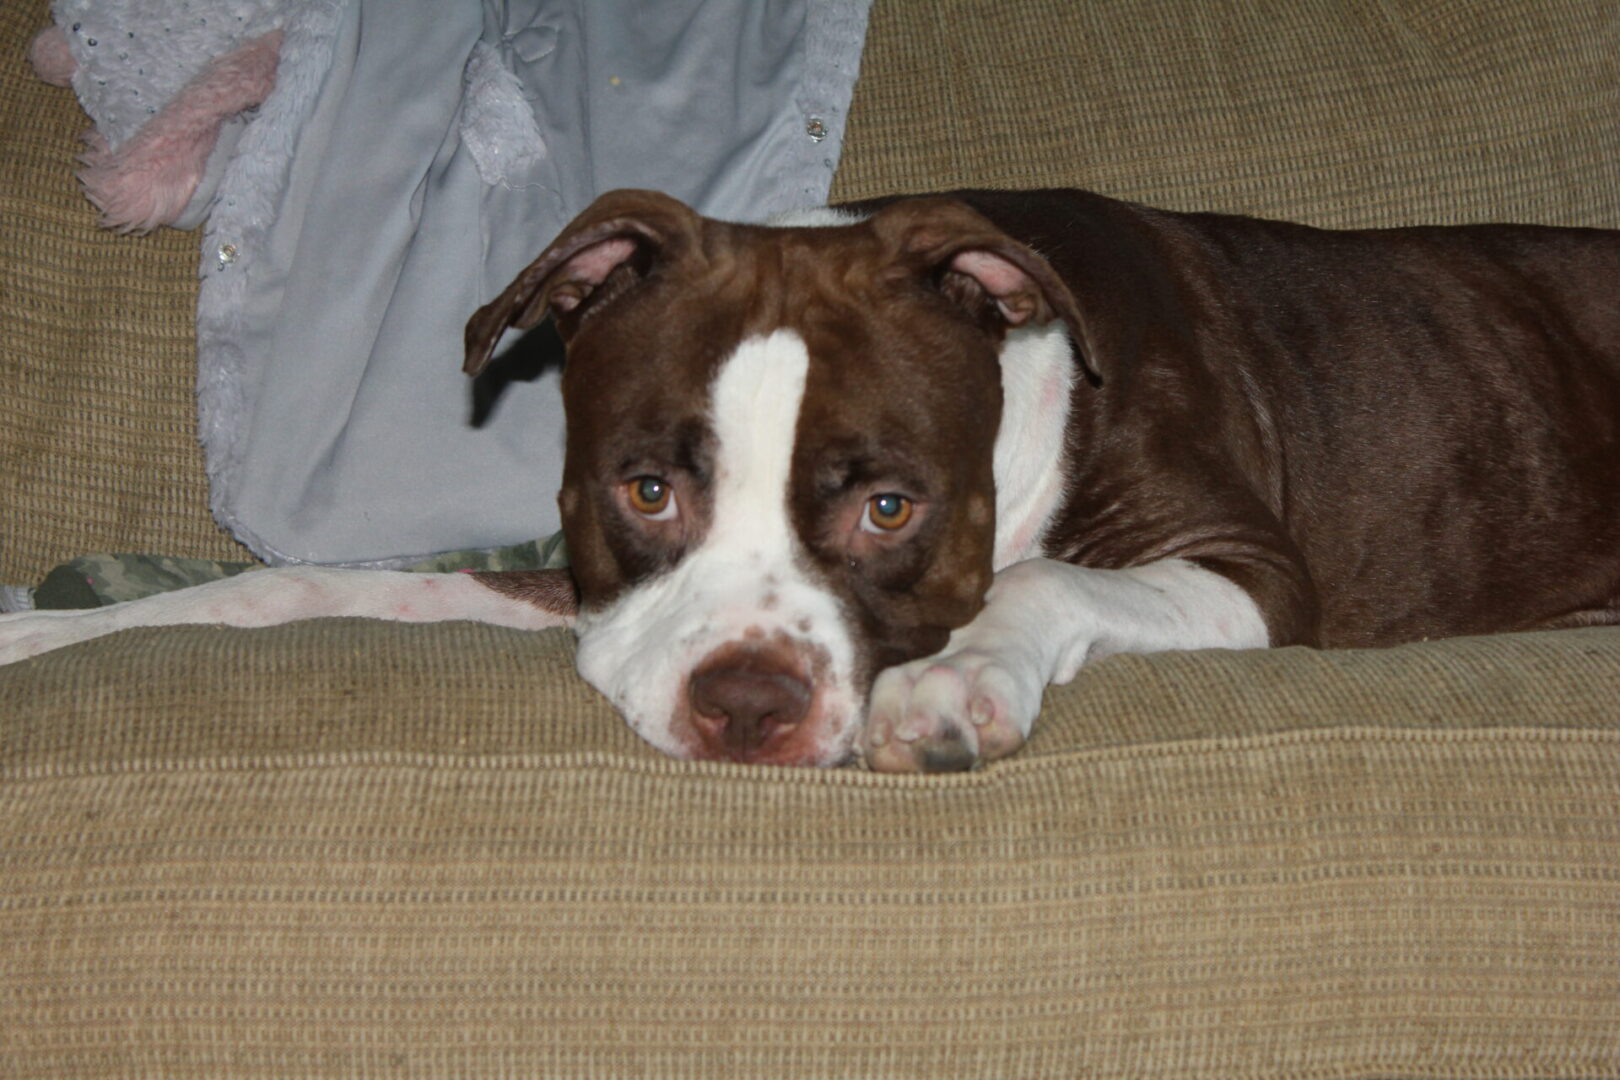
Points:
(349, 848)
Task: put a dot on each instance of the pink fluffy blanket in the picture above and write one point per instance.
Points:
(173, 87)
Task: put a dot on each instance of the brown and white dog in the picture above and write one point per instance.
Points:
(863, 484)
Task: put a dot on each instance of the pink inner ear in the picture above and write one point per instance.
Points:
(1002, 279)
(591, 267)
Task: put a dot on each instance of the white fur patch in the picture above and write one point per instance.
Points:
(280, 595)
(1168, 604)
(815, 217)
(741, 579)
(1056, 616)
(1042, 621)
(1037, 373)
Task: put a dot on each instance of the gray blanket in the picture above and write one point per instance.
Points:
(413, 157)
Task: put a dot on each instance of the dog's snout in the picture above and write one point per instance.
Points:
(742, 708)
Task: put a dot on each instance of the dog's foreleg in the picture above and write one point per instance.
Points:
(523, 600)
(1042, 620)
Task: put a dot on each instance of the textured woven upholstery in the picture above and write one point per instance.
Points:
(345, 848)
(97, 360)
(1343, 113)
(430, 851)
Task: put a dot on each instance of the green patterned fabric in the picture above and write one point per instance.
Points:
(98, 580)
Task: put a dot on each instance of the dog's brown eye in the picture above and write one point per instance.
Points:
(887, 512)
(651, 497)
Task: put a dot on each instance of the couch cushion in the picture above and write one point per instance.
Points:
(347, 847)
(363, 686)
(1345, 114)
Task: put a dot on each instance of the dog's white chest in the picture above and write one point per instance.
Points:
(1037, 375)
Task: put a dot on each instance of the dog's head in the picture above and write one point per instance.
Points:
(778, 477)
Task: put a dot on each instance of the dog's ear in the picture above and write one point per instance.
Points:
(997, 280)
(607, 249)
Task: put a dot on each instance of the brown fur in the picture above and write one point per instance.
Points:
(1382, 436)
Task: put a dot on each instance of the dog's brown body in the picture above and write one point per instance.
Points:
(1384, 435)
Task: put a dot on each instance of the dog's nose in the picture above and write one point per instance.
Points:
(743, 708)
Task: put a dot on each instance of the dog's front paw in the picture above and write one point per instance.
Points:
(950, 713)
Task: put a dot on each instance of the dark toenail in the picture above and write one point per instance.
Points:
(948, 752)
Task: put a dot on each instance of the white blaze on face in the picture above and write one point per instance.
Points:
(741, 579)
